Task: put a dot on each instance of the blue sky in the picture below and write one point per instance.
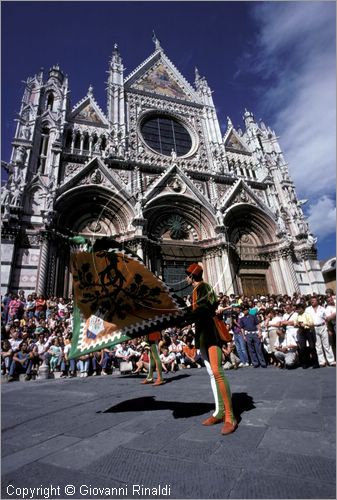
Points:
(276, 59)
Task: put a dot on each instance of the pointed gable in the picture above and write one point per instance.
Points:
(88, 111)
(88, 114)
(175, 182)
(242, 193)
(158, 75)
(234, 143)
(96, 173)
(159, 81)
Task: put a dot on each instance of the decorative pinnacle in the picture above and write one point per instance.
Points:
(90, 90)
(156, 41)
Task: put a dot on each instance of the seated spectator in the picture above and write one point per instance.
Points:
(286, 348)
(83, 364)
(21, 363)
(176, 347)
(55, 352)
(6, 356)
(168, 360)
(191, 357)
(126, 353)
(102, 361)
(230, 359)
(143, 364)
(14, 339)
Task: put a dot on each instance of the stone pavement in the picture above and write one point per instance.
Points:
(110, 437)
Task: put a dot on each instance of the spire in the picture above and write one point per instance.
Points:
(156, 41)
(197, 76)
(248, 118)
(229, 122)
(116, 57)
(90, 91)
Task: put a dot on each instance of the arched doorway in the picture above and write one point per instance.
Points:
(250, 232)
(91, 211)
(178, 229)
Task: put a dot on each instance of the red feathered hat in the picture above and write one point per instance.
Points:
(195, 270)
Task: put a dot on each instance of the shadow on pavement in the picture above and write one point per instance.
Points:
(149, 403)
(241, 402)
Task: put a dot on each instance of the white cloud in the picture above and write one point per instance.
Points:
(322, 217)
(296, 51)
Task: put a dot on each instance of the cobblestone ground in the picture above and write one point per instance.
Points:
(110, 437)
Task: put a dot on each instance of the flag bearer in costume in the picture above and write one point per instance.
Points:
(155, 362)
(207, 339)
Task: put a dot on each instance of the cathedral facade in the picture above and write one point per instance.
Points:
(154, 172)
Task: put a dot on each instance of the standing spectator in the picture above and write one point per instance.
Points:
(51, 306)
(62, 308)
(306, 334)
(40, 307)
(330, 311)
(273, 324)
(239, 341)
(15, 308)
(21, 363)
(4, 306)
(323, 348)
(67, 365)
(251, 331)
(30, 307)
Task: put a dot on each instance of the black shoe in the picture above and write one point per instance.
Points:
(256, 366)
(28, 377)
(315, 366)
(305, 367)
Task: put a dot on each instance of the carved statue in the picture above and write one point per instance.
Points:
(97, 145)
(25, 132)
(17, 196)
(311, 239)
(20, 155)
(5, 195)
(139, 206)
(219, 215)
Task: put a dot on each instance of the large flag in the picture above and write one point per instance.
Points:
(116, 297)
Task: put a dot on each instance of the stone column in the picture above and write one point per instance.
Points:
(43, 266)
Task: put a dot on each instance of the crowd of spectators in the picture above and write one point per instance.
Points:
(267, 331)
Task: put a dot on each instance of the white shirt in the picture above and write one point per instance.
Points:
(291, 317)
(288, 339)
(331, 310)
(317, 315)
